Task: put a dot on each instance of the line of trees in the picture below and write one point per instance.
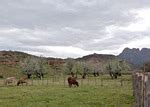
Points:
(113, 67)
(33, 66)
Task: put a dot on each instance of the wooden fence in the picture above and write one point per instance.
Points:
(141, 89)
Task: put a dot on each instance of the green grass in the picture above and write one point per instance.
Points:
(56, 95)
(7, 71)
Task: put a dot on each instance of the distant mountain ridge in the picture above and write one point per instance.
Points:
(13, 57)
(135, 56)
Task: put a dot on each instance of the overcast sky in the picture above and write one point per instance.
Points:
(73, 28)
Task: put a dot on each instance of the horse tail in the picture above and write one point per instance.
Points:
(77, 84)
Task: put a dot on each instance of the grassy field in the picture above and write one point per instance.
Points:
(56, 94)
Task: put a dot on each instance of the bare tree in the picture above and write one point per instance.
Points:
(33, 66)
(69, 66)
(146, 67)
(115, 67)
(78, 68)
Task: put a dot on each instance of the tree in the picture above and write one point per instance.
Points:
(85, 70)
(79, 68)
(33, 66)
(146, 67)
(115, 67)
(69, 66)
(97, 69)
(76, 67)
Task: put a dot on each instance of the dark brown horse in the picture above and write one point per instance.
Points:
(22, 81)
(72, 81)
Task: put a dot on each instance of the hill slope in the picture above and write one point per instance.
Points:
(96, 58)
(12, 57)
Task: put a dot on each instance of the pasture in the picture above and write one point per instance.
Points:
(55, 92)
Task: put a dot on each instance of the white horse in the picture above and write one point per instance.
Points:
(10, 80)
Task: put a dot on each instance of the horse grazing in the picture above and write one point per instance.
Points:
(72, 81)
(10, 80)
(22, 80)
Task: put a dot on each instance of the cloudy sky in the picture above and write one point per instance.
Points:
(73, 28)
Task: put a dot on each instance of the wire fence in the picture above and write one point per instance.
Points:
(102, 80)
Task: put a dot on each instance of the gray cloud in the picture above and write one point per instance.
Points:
(29, 24)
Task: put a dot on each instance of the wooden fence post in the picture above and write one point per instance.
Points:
(88, 81)
(32, 80)
(64, 79)
(147, 92)
(134, 83)
(81, 82)
(102, 80)
(137, 90)
(95, 78)
(141, 89)
(47, 81)
(121, 80)
(42, 82)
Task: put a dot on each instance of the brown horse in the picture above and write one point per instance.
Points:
(72, 81)
(10, 80)
(22, 81)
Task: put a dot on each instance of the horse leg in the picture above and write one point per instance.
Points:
(70, 85)
(18, 83)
